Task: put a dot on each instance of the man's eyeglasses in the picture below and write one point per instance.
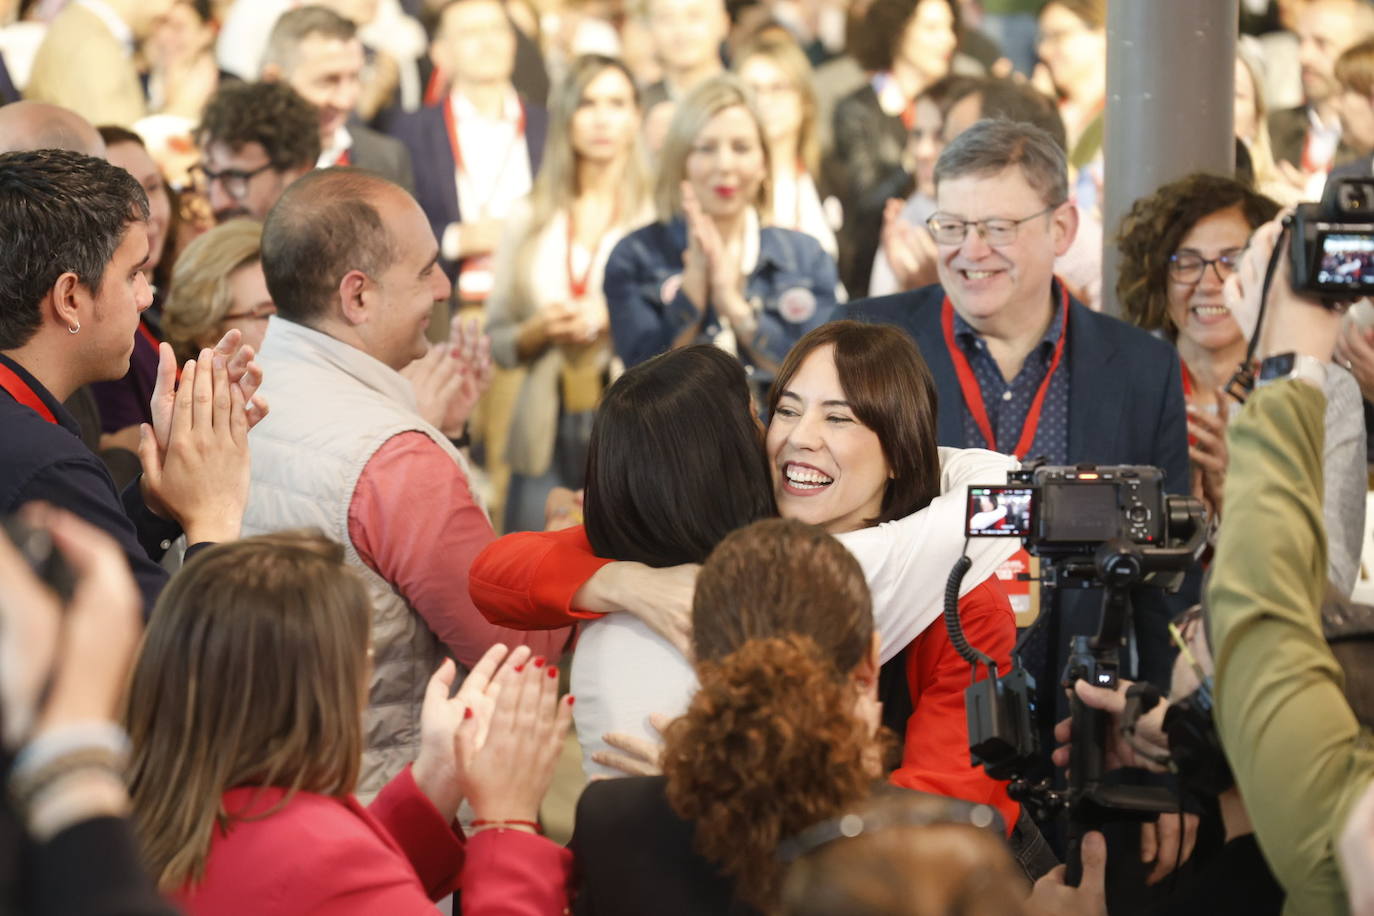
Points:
(1188, 266)
(996, 231)
(234, 181)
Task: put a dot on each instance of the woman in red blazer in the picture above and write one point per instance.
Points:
(245, 716)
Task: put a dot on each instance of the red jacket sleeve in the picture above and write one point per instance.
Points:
(434, 848)
(501, 872)
(512, 873)
(526, 581)
(936, 756)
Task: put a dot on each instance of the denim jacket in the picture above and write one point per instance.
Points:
(794, 281)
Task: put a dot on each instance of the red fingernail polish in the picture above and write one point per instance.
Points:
(553, 671)
(519, 668)
(571, 699)
(467, 713)
(539, 661)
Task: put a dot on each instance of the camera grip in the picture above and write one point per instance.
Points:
(1087, 762)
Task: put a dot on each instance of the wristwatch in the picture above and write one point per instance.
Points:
(1292, 365)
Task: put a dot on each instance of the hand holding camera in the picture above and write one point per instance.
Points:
(1302, 314)
(63, 665)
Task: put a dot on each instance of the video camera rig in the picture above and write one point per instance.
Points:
(1108, 527)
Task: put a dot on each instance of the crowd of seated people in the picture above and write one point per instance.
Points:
(513, 456)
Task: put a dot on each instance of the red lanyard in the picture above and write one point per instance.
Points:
(973, 395)
(451, 123)
(1187, 381)
(578, 285)
(21, 392)
(344, 159)
(148, 335)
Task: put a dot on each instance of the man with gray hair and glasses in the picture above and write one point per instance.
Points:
(1022, 367)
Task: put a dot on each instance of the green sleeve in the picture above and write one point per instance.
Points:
(1298, 755)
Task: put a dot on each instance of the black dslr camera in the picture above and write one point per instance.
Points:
(1113, 528)
(1331, 247)
(1065, 515)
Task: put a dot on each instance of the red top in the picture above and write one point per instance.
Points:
(422, 546)
(323, 855)
(936, 756)
(528, 580)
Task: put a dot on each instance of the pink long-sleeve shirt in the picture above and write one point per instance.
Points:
(414, 522)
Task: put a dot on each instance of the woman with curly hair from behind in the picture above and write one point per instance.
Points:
(782, 733)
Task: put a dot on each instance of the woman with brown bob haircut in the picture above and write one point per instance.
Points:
(245, 717)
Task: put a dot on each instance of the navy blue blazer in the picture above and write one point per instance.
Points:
(431, 154)
(1125, 407)
(1125, 385)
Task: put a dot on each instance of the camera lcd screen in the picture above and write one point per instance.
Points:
(999, 511)
(1084, 513)
(1345, 261)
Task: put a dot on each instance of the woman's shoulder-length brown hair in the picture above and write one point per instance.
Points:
(891, 391)
(252, 674)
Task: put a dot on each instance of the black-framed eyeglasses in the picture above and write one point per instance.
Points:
(234, 181)
(1189, 266)
(997, 231)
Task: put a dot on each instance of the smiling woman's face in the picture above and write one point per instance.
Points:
(725, 164)
(828, 468)
(1197, 305)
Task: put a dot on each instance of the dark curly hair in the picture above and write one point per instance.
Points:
(771, 743)
(60, 212)
(1151, 232)
(875, 38)
(272, 114)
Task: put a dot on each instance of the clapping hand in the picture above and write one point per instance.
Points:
(199, 475)
(451, 377)
(436, 769)
(242, 370)
(711, 267)
(910, 250)
(506, 773)
(1207, 450)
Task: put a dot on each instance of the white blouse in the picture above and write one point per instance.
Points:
(623, 671)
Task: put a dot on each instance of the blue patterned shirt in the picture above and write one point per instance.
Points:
(1008, 403)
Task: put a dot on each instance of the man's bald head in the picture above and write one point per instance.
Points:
(38, 125)
(324, 225)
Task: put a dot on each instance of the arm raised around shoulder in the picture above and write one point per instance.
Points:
(907, 562)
